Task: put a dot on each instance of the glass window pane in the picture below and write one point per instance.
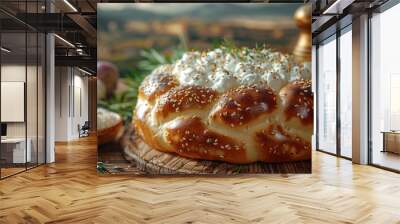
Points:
(41, 99)
(23, 82)
(31, 97)
(327, 96)
(13, 85)
(314, 82)
(385, 84)
(346, 94)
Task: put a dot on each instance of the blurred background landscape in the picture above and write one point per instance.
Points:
(135, 38)
(125, 30)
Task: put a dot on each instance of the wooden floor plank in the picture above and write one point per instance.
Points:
(71, 191)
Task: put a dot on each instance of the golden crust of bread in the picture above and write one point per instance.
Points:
(242, 105)
(243, 125)
(184, 98)
(190, 137)
(156, 84)
(297, 101)
(274, 144)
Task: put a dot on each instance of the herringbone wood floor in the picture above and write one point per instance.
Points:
(70, 191)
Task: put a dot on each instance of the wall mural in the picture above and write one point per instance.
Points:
(204, 88)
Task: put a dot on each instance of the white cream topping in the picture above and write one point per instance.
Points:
(222, 69)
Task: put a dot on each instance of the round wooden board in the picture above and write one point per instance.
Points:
(154, 162)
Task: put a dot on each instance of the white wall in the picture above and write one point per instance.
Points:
(33, 126)
(61, 104)
(13, 100)
(80, 97)
(16, 73)
(71, 94)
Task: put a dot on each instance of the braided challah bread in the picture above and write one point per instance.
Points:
(238, 106)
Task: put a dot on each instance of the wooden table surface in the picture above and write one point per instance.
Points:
(154, 162)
